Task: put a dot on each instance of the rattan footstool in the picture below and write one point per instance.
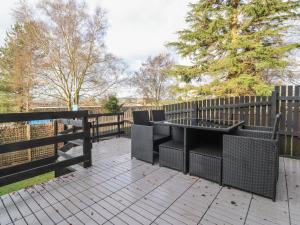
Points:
(171, 155)
(206, 164)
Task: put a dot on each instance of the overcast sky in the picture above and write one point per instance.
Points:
(137, 28)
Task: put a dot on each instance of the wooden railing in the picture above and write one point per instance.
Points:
(106, 125)
(33, 168)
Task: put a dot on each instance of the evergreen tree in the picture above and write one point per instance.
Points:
(236, 42)
(18, 61)
(112, 104)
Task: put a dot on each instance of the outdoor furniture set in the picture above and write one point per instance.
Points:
(223, 151)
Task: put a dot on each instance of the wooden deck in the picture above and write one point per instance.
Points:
(118, 190)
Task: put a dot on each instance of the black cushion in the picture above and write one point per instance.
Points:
(208, 150)
(177, 145)
(157, 137)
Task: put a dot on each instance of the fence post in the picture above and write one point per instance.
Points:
(55, 132)
(65, 128)
(195, 109)
(119, 127)
(28, 136)
(275, 105)
(93, 131)
(87, 145)
(57, 172)
(97, 131)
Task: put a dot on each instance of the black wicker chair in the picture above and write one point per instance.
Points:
(251, 160)
(145, 137)
(158, 115)
(171, 152)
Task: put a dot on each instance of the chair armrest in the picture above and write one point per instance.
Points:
(142, 131)
(258, 128)
(233, 143)
(254, 134)
(162, 130)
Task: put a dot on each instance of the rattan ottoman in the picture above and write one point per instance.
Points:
(171, 155)
(206, 164)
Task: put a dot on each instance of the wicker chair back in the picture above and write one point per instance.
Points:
(141, 118)
(158, 115)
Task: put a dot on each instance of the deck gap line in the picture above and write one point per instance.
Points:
(17, 209)
(42, 209)
(174, 201)
(33, 213)
(106, 169)
(139, 213)
(287, 191)
(163, 220)
(54, 203)
(248, 209)
(172, 176)
(210, 205)
(147, 209)
(104, 161)
(6, 210)
(121, 220)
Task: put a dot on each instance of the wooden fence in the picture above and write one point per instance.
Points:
(106, 125)
(33, 168)
(254, 110)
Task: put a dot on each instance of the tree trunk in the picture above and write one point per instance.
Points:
(76, 99)
(69, 104)
(234, 34)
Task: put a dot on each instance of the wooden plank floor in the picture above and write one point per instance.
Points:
(118, 190)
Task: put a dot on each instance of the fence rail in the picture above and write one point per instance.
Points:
(106, 125)
(33, 168)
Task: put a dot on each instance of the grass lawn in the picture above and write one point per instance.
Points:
(25, 183)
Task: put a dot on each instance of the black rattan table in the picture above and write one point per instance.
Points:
(224, 126)
(201, 144)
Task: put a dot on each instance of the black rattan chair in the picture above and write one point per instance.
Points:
(158, 115)
(251, 160)
(145, 137)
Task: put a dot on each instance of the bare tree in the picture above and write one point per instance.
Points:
(151, 80)
(76, 63)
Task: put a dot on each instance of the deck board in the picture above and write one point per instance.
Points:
(120, 190)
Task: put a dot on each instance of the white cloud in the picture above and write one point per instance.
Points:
(139, 28)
